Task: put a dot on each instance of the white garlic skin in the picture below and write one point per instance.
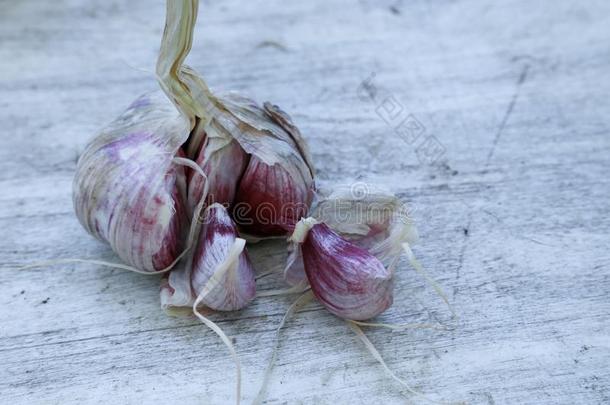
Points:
(349, 281)
(235, 287)
(128, 192)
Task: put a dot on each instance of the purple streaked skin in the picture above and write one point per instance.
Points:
(113, 149)
(140, 211)
(349, 281)
(275, 201)
(233, 289)
(140, 102)
(224, 168)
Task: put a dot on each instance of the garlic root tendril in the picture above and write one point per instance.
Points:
(371, 348)
(419, 269)
(297, 289)
(296, 306)
(93, 261)
(403, 326)
(235, 250)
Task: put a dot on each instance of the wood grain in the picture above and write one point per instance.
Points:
(513, 216)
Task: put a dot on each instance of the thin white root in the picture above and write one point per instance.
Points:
(264, 274)
(297, 289)
(296, 306)
(90, 261)
(189, 163)
(419, 269)
(226, 341)
(403, 326)
(371, 348)
(180, 161)
(195, 220)
(237, 247)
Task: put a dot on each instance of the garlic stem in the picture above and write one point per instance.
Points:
(191, 96)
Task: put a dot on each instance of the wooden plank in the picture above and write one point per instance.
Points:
(513, 216)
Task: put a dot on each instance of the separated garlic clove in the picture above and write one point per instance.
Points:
(349, 281)
(221, 270)
(128, 192)
(368, 216)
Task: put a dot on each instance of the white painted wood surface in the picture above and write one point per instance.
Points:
(513, 218)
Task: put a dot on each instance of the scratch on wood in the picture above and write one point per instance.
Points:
(463, 250)
(509, 110)
(272, 44)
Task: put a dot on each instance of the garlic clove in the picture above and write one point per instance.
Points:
(127, 191)
(221, 269)
(223, 161)
(277, 186)
(284, 120)
(269, 202)
(368, 216)
(349, 281)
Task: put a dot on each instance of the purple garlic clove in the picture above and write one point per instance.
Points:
(222, 272)
(349, 281)
(269, 201)
(277, 186)
(375, 220)
(223, 161)
(128, 192)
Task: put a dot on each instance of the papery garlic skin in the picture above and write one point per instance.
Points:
(294, 272)
(128, 192)
(224, 274)
(277, 187)
(223, 161)
(377, 221)
(349, 281)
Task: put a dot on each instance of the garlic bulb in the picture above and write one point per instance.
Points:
(349, 281)
(128, 192)
(276, 187)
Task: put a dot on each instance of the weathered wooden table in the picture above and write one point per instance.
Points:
(490, 118)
